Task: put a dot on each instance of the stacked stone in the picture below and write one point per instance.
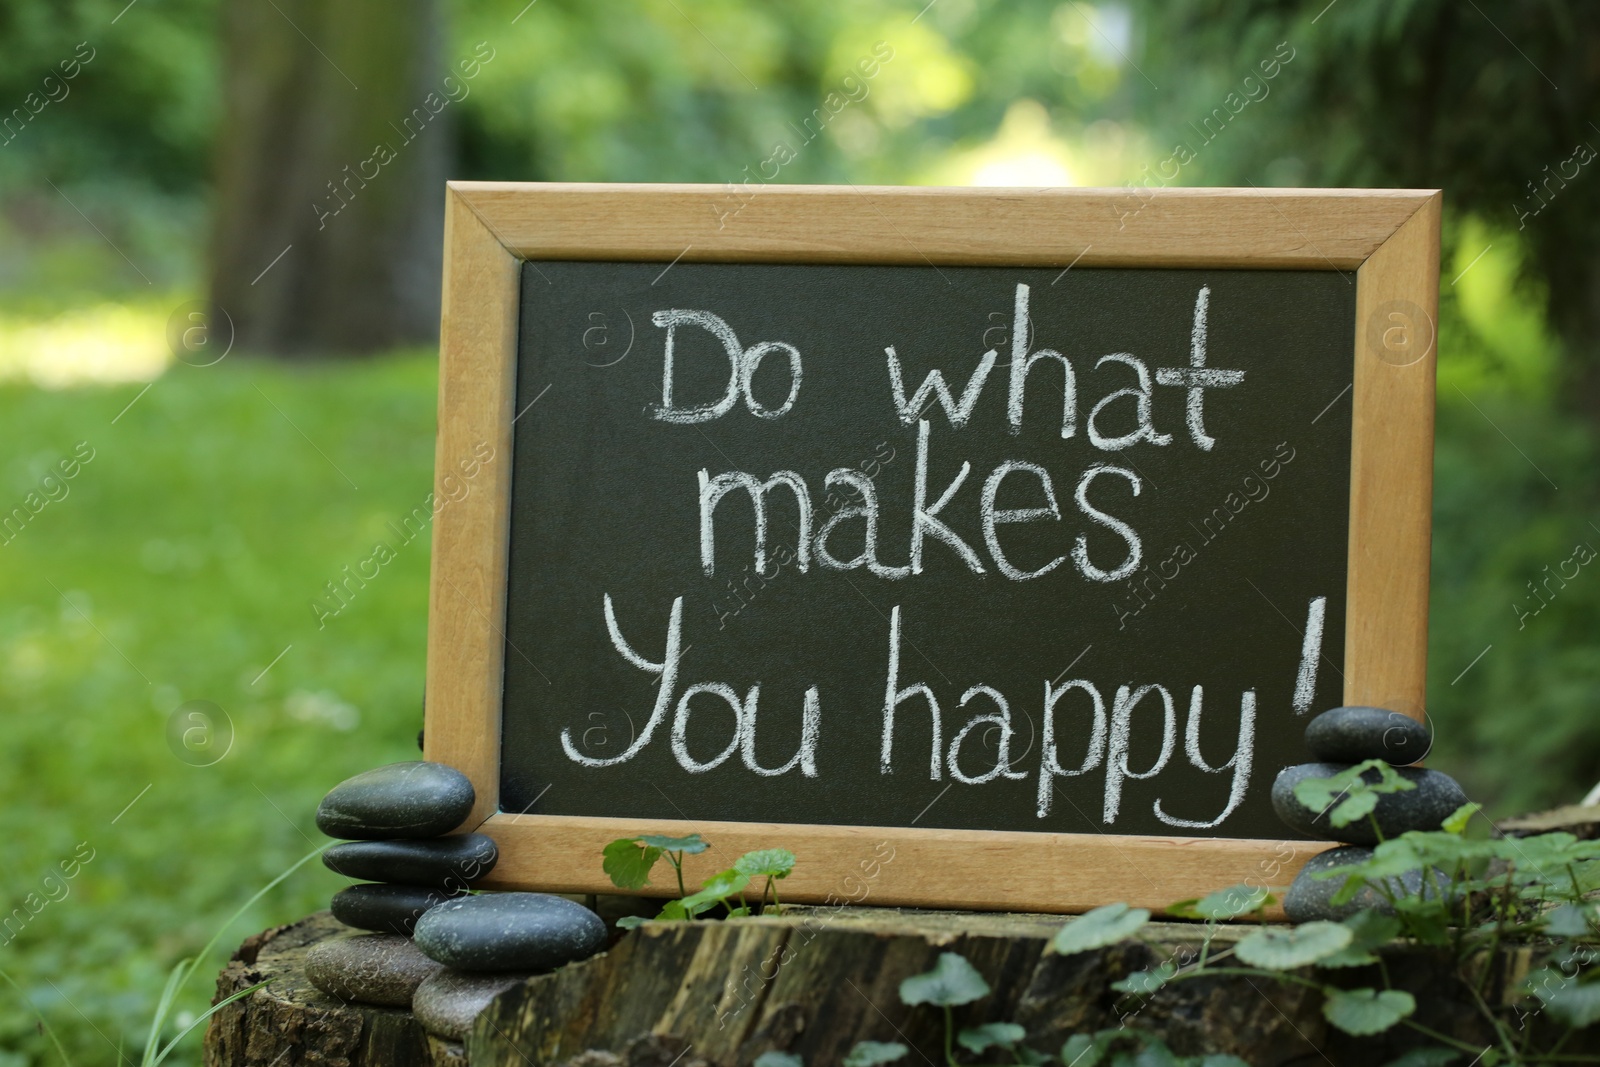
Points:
(1339, 739)
(434, 948)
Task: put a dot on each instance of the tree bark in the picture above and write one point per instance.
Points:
(817, 980)
(331, 160)
(291, 1022)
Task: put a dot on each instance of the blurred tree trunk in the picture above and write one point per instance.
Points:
(328, 218)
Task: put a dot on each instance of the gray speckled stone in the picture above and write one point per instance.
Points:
(449, 1000)
(510, 932)
(389, 909)
(382, 969)
(416, 799)
(438, 863)
(1437, 796)
(1311, 898)
(1357, 734)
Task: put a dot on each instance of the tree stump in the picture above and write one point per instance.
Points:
(291, 1022)
(816, 980)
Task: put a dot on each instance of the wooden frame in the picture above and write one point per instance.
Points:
(1389, 239)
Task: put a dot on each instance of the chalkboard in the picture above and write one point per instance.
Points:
(924, 531)
(1160, 592)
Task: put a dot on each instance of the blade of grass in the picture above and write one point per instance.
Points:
(163, 1006)
(37, 1014)
(186, 968)
(218, 1006)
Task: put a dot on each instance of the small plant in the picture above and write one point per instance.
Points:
(953, 982)
(628, 862)
(1467, 896)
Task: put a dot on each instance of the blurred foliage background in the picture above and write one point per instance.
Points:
(179, 562)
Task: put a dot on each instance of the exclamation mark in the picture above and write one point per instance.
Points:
(1305, 683)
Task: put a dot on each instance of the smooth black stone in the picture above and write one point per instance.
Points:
(416, 799)
(438, 863)
(510, 932)
(1311, 898)
(448, 1001)
(382, 969)
(388, 909)
(1357, 734)
(1436, 797)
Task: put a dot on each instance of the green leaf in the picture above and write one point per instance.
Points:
(1456, 823)
(1426, 1057)
(1103, 926)
(1155, 1053)
(952, 981)
(778, 1059)
(1143, 983)
(1232, 902)
(1349, 956)
(1221, 1059)
(627, 863)
(870, 1053)
(1569, 920)
(1366, 1011)
(631, 922)
(1278, 948)
(1577, 1004)
(1370, 929)
(1356, 806)
(692, 845)
(990, 1035)
(766, 863)
(1320, 794)
(1083, 1050)
(674, 911)
(717, 888)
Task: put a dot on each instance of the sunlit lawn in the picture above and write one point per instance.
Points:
(176, 565)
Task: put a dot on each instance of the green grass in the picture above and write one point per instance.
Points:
(181, 562)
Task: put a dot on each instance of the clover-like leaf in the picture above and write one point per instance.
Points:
(990, 1035)
(1277, 948)
(631, 922)
(1367, 1011)
(627, 863)
(1426, 1057)
(952, 981)
(1364, 779)
(1231, 903)
(1369, 929)
(766, 863)
(775, 1058)
(1349, 956)
(679, 910)
(871, 1053)
(1577, 1004)
(725, 884)
(1103, 926)
(1358, 805)
(1143, 983)
(1083, 1050)
(1456, 823)
(1569, 920)
(691, 845)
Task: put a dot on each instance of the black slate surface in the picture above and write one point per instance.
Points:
(606, 502)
